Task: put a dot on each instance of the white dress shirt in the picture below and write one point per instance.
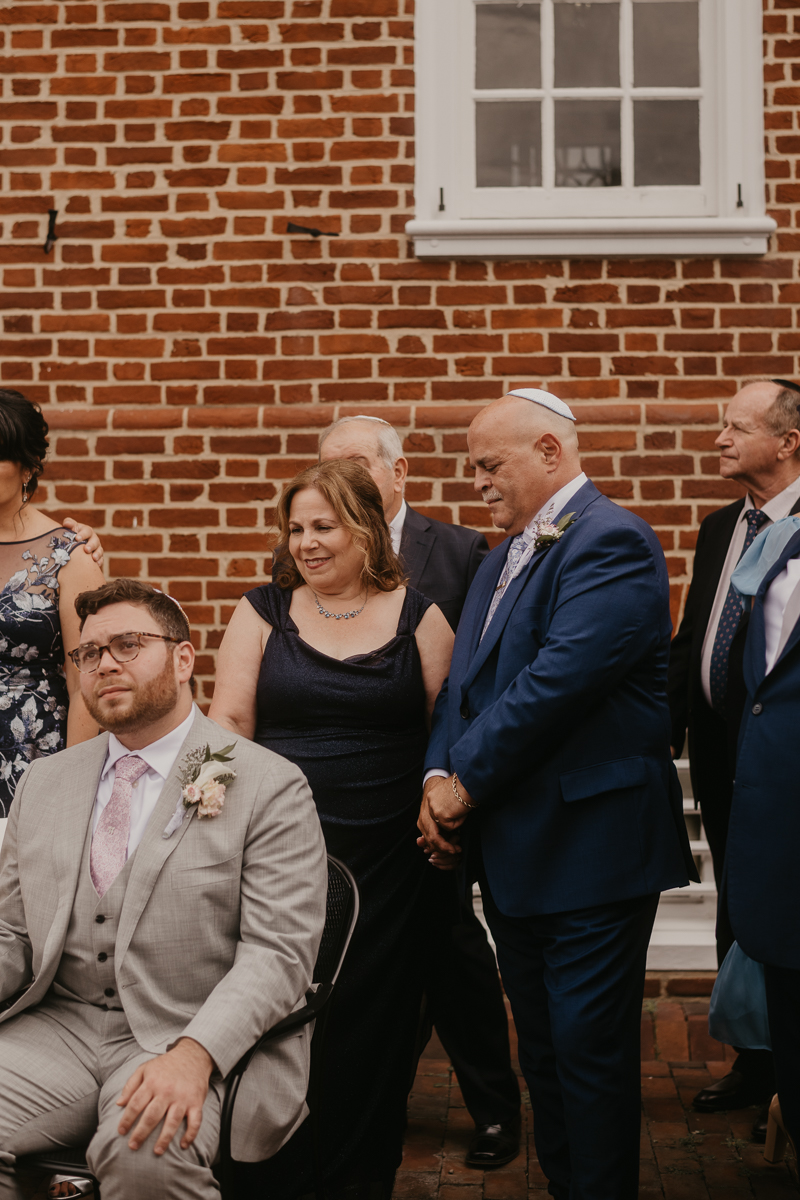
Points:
(160, 758)
(778, 507)
(549, 511)
(396, 526)
(778, 596)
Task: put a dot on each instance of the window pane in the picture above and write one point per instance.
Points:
(666, 136)
(507, 46)
(666, 44)
(587, 143)
(587, 44)
(508, 143)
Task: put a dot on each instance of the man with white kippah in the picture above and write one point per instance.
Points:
(441, 561)
(549, 773)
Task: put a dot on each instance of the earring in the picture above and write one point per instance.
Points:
(25, 492)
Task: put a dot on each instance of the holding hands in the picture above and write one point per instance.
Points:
(441, 816)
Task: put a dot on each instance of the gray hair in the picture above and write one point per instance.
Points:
(782, 415)
(390, 447)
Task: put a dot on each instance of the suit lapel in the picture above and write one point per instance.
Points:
(498, 623)
(715, 559)
(482, 649)
(416, 544)
(154, 850)
(756, 649)
(69, 838)
(74, 817)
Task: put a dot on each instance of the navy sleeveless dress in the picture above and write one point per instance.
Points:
(357, 730)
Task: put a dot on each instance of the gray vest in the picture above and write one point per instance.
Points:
(86, 970)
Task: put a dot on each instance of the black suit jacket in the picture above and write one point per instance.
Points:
(685, 688)
(712, 738)
(441, 560)
(688, 706)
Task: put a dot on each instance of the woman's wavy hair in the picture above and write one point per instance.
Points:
(354, 497)
(23, 435)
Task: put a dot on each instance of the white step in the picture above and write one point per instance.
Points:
(682, 945)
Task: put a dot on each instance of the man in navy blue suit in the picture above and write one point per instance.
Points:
(761, 871)
(552, 737)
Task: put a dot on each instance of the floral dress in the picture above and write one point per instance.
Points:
(33, 686)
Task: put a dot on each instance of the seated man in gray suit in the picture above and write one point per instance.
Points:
(159, 911)
(441, 561)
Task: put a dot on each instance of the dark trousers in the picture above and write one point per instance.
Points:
(465, 1004)
(783, 1010)
(712, 785)
(712, 762)
(576, 982)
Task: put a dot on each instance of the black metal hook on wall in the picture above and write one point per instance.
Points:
(52, 236)
(315, 233)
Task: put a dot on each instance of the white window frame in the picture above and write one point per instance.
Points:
(725, 215)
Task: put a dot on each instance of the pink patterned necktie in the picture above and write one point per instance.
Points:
(110, 842)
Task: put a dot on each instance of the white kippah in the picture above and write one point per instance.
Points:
(537, 396)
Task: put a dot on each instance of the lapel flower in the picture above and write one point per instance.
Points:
(204, 775)
(547, 534)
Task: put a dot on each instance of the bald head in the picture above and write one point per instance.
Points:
(760, 442)
(377, 447)
(528, 420)
(523, 453)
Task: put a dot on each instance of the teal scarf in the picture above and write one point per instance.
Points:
(765, 551)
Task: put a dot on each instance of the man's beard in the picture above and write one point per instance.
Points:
(149, 703)
(491, 494)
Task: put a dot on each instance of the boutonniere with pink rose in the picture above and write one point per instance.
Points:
(547, 535)
(204, 775)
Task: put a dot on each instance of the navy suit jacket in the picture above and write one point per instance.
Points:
(557, 722)
(761, 860)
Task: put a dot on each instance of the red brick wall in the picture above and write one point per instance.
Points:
(186, 349)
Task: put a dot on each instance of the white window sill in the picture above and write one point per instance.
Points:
(585, 237)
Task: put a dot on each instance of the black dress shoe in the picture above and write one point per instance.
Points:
(494, 1145)
(758, 1133)
(730, 1092)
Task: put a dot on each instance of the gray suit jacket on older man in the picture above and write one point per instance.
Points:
(219, 928)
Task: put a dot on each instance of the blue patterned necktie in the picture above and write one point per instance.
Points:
(515, 552)
(729, 622)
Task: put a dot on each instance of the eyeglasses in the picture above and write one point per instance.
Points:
(123, 648)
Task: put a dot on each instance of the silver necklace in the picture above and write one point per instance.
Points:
(338, 616)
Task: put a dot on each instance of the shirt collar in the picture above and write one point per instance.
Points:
(552, 507)
(160, 756)
(396, 526)
(779, 506)
(398, 520)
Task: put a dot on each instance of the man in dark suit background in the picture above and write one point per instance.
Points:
(761, 877)
(554, 727)
(464, 997)
(759, 449)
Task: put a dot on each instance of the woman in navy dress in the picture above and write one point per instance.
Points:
(336, 666)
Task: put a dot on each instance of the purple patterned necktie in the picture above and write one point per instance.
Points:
(729, 622)
(515, 552)
(110, 842)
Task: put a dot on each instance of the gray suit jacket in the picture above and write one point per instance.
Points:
(220, 925)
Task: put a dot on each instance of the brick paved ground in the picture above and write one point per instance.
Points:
(685, 1155)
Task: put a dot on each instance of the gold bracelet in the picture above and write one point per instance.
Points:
(460, 799)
